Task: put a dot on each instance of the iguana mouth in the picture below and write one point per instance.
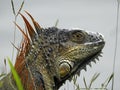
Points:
(88, 60)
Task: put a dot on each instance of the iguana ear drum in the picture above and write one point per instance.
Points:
(65, 67)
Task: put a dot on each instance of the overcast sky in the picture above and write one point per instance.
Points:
(91, 15)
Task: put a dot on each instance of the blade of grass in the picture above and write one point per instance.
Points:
(110, 78)
(1, 75)
(107, 81)
(95, 76)
(15, 15)
(77, 87)
(74, 79)
(15, 75)
(13, 9)
(5, 65)
(85, 83)
(20, 8)
(56, 23)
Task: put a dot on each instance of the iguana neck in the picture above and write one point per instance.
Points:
(34, 71)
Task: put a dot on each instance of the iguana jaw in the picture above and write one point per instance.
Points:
(79, 67)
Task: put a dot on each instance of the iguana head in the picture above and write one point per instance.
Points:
(77, 49)
(53, 55)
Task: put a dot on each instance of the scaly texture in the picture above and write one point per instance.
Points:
(48, 57)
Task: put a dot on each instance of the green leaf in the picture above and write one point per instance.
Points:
(15, 75)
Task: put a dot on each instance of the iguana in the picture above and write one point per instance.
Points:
(49, 56)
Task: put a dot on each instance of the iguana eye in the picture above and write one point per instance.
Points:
(77, 37)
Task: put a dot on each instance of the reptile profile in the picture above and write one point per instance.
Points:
(49, 56)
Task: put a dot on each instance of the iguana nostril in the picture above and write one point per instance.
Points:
(94, 37)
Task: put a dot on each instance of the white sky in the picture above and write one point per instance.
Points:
(91, 15)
